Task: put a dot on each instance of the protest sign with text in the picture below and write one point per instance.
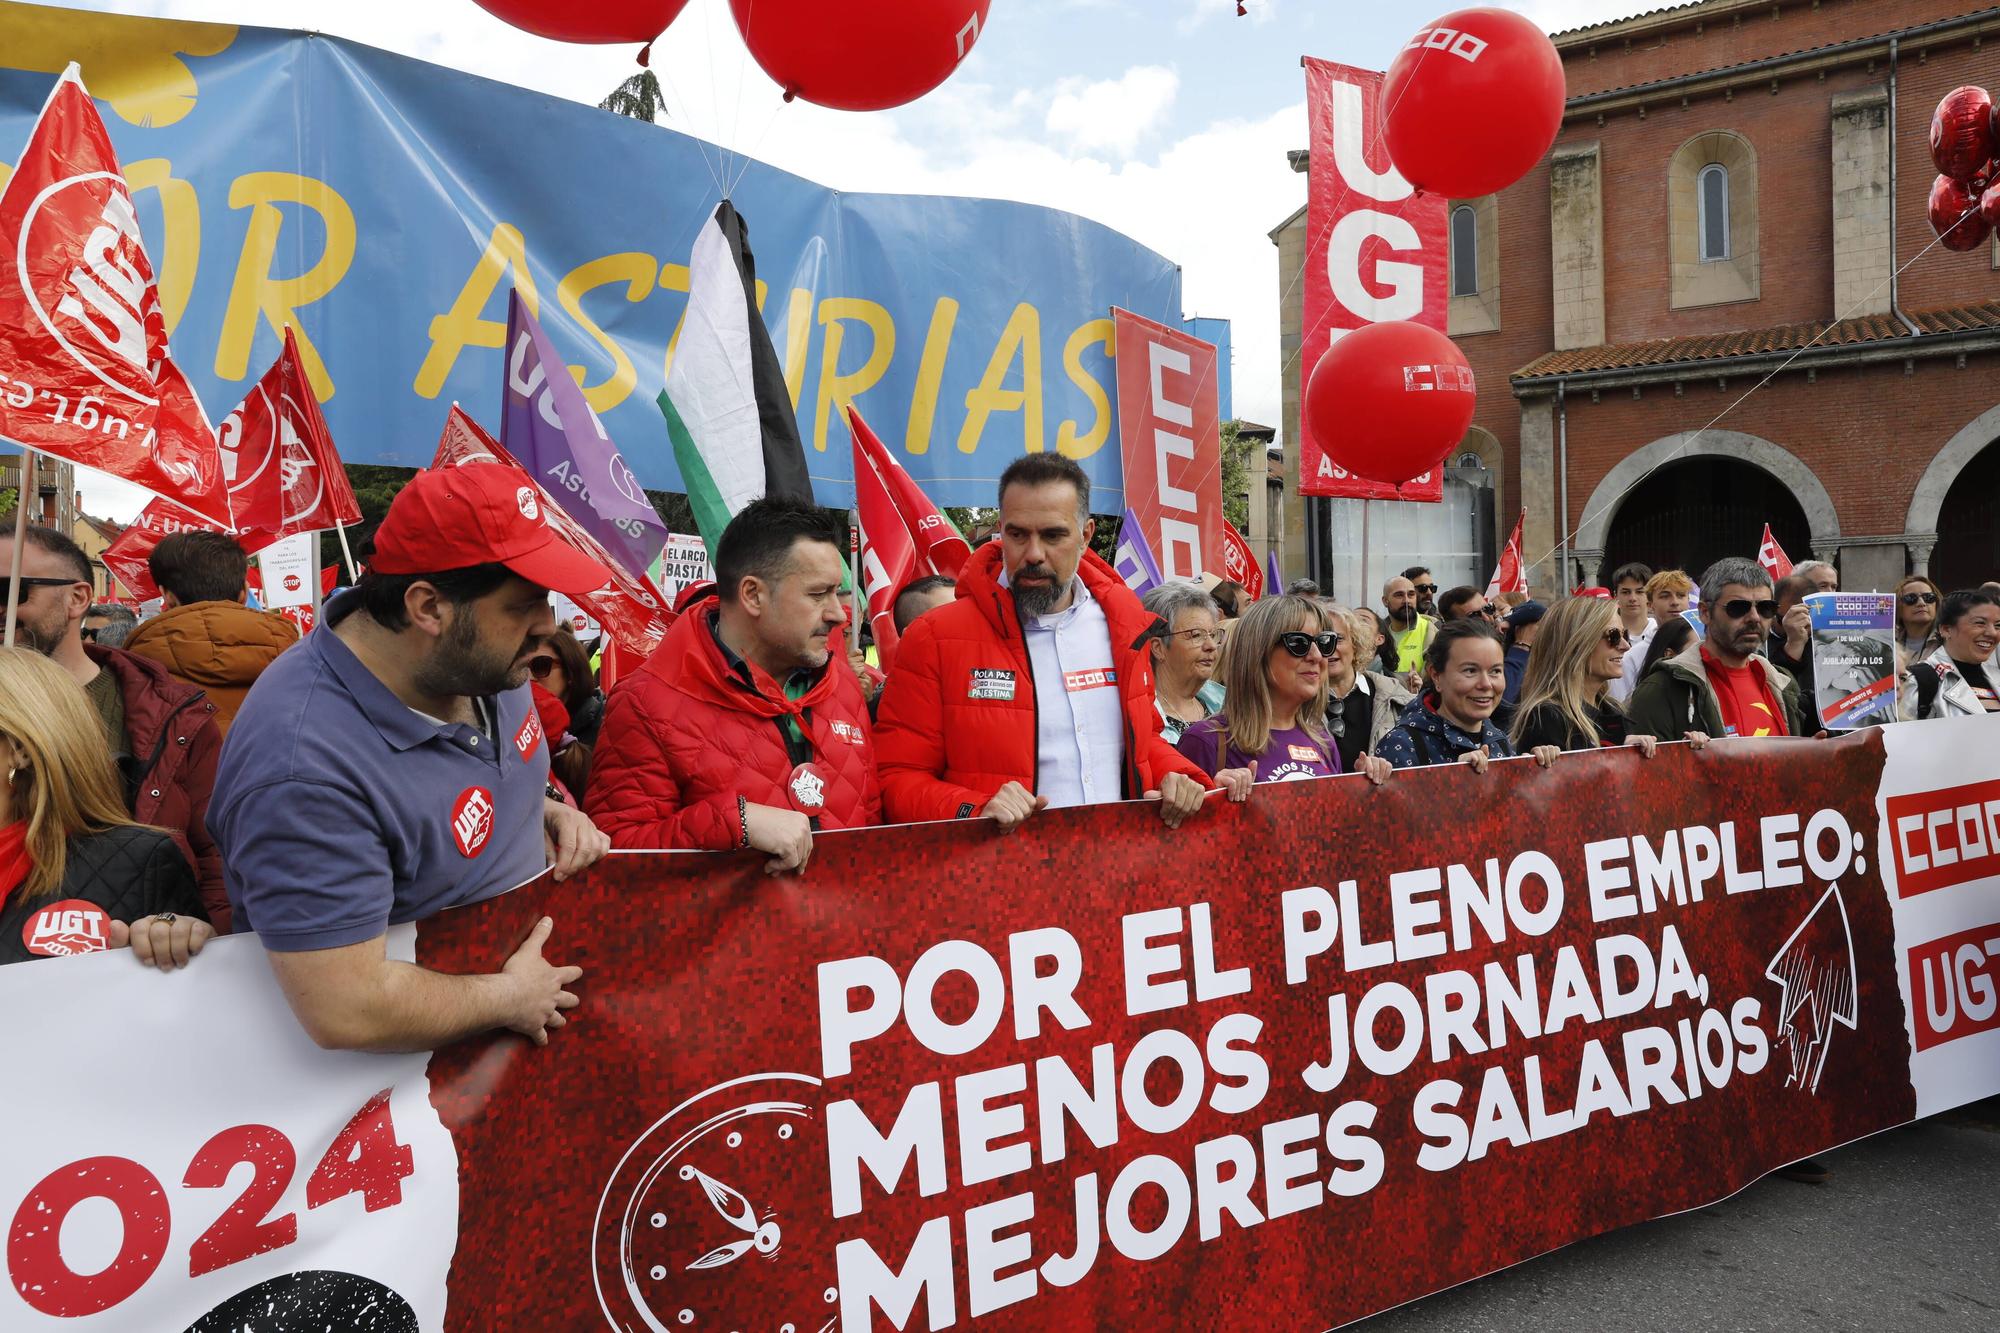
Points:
(1375, 250)
(1170, 435)
(1121, 1094)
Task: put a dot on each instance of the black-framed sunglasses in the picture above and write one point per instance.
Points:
(1298, 643)
(1738, 607)
(27, 583)
(540, 667)
(1426, 587)
(1616, 637)
(1485, 611)
(1907, 599)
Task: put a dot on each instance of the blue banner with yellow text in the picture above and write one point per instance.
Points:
(386, 206)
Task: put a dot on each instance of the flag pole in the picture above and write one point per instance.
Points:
(20, 542)
(854, 572)
(346, 553)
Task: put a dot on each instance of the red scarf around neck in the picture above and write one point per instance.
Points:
(15, 861)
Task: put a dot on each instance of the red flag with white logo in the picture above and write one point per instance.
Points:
(903, 535)
(283, 473)
(1772, 557)
(1239, 562)
(630, 608)
(84, 369)
(1508, 575)
(129, 557)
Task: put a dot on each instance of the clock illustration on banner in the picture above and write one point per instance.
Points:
(717, 1217)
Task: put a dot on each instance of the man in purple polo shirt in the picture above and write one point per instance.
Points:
(391, 765)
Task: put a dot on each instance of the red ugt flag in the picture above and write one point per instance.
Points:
(1508, 575)
(1239, 562)
(1772, 557)
(283, 473)
(903, 535)
(129, 557)
(84, 370)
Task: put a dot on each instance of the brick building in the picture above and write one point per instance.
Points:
(1734, 181)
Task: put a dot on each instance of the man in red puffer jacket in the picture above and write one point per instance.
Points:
(745, 728)
(983, 717)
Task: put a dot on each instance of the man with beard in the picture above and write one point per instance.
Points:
(161, 732)
(1723, 685)
(1426, 585)
(1407, 630)
(735, 733)
(1035, 687)
(392, 765)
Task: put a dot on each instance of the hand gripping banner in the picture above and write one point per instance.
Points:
(1283, 1068)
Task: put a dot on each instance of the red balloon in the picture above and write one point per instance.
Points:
(1949, 202)
(1962, 132)
(1472, 103)
(596, 21)
(1989, 205)
(1388, 401)
(859, 55)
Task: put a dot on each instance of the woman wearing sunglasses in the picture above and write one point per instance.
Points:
(1184, 687)
(1917, 601)
(1273, 728)
(76, 874)
(1566, 692)
(570, 706)
(1452, 721)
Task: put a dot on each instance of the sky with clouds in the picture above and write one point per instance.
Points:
(1167, 119)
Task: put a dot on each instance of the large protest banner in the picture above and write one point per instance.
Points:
(385, 206)
(1375, 250)
(1281, 1069)
(1169, 433)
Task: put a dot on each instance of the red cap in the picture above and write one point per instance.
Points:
(483, 513)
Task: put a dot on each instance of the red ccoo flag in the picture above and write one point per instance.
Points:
(1508, 575)
(130, 554)
(903, 535)
(283, 473)
(84, 369)
(1772, 557)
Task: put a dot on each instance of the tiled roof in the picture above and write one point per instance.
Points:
(1662, 352)
(1612, 23)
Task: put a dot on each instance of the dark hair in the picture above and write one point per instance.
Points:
(1302, 588)
(1958, 603)
(381, 595)
(200, 566)
(1451, 599)
(579, 682)
(1792, 587)
(60, 545)
(114, 611)
(1040, 469)
(1412, 572)
(1669, 640)
(758, 542)
(1633, 571)
(1438, 655)
(916, 587)
(1228, 595)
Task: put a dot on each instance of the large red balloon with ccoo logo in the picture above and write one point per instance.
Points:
(1388, 401)
(859, 55)
(1962, 132)
(1472, 103)
(588, 21)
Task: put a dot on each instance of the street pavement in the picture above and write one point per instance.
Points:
(1905, 1235)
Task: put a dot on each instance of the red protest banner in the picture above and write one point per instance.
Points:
(84, 370)
(1169, 434)
(1239, 562)
(1375, 250)
(629, 607)
(903, 535)
(129, 555)
(284, 474)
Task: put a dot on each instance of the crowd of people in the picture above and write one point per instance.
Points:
(438, 739)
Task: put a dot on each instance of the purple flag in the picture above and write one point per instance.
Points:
(1134, 558)
(545, 422)
(1274, 578)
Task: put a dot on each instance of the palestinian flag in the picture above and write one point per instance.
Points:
(735, 435)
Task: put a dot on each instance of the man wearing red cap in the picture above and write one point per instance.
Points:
(392, 765)
(741, 731)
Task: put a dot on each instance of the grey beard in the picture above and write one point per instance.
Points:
(1035, 601)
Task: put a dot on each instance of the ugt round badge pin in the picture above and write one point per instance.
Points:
(806, 789)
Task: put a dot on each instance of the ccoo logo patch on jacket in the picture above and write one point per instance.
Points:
(472, 820)
(71, 926)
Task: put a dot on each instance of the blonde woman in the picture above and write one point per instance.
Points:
(76, 874)
(1273, 724)
(1566, 698)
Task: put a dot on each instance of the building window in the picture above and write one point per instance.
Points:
(1464, 251)
(1712, 203)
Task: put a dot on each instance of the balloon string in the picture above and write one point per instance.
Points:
(670, 88)
(742, 77)
(1688, 443)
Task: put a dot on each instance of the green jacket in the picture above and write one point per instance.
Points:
(1676, 698)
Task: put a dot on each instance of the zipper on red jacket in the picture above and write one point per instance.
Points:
(1034, 696)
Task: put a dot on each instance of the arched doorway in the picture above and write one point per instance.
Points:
(1968, 525)
(1694, 511)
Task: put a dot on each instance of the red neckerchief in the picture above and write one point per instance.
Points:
(15, 861)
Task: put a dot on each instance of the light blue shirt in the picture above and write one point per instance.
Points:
(1079, 707)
